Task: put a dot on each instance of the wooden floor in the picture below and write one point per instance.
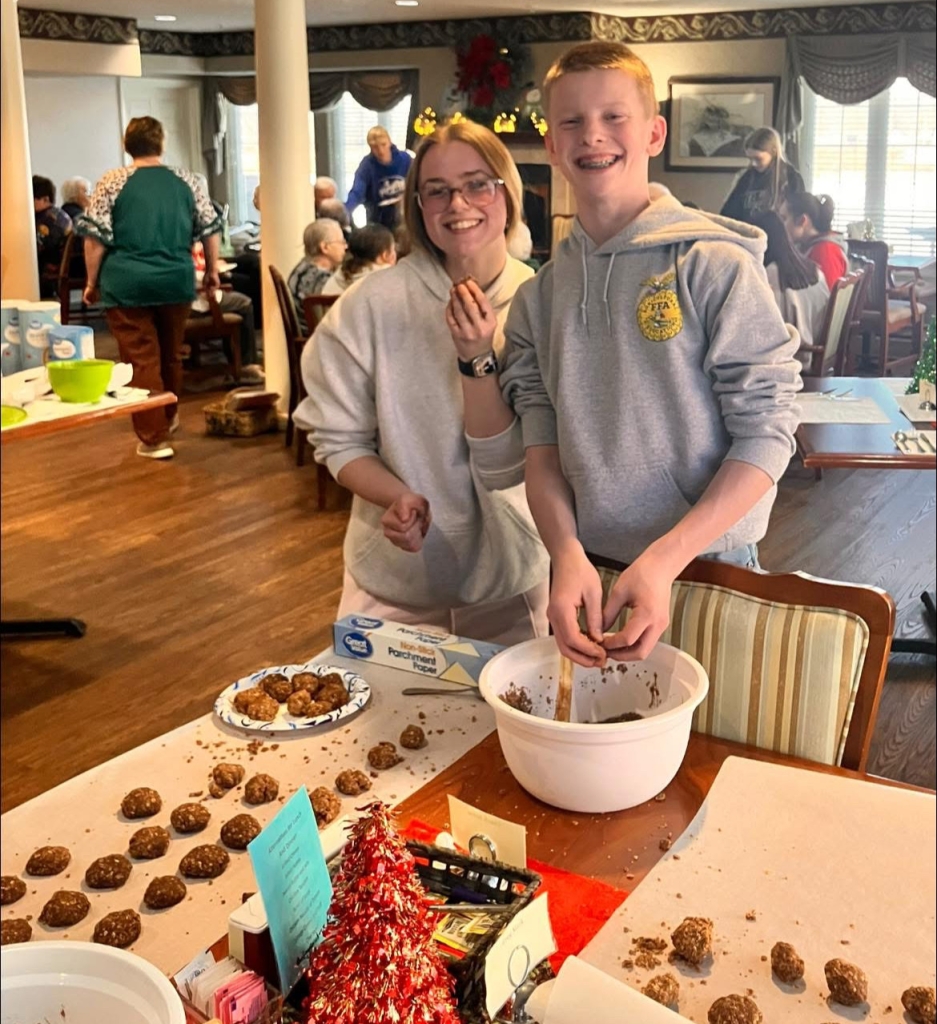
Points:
(192, 572)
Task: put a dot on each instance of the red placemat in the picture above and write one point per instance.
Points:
(579, 906)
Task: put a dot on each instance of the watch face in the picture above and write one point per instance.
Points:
(483, 365)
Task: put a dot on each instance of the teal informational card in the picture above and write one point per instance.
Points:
(294, 883)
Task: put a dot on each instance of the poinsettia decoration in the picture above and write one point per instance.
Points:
(491, 75)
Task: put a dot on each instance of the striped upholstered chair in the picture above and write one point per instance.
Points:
(795, 663)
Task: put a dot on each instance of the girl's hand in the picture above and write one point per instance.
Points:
(406, 521)
(470, 319)
(90, 295)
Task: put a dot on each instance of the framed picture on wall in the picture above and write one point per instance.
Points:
(710, 118)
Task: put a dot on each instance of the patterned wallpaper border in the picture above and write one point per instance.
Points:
(76, 28)
(873, 19)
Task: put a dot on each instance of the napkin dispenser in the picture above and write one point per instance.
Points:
(249, 939)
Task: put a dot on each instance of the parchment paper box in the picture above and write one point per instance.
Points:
(427, 652)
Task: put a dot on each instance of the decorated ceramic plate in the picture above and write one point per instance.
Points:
(358, 690)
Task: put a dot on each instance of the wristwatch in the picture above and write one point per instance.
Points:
(480, 366)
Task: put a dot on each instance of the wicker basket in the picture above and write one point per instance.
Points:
(242, 413)
(446, 872)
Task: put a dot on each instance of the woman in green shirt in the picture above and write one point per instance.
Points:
(139, 231)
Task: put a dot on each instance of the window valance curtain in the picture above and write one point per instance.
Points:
(850, 69)
(374, 90)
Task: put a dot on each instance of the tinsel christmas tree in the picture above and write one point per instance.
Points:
(924, 370)
(377, 963)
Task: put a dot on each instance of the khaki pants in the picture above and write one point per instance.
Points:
(504, 622)
(150, 339)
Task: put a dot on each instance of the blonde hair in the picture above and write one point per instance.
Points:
(495, 154)
(377, 132)
(600, 55)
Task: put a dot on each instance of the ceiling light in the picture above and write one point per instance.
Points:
(407, 3)
(164, 17)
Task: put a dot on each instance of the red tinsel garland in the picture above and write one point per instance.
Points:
(377, 963)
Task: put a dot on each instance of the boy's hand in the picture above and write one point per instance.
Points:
(576, 585)
(645, 588)
(470, 319)
(406, 521)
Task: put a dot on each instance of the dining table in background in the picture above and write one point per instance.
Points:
(858, 445)
(866, 446)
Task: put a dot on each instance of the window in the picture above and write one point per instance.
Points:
(243, 160)
(346, 126)
(878, 160)
(343, 129)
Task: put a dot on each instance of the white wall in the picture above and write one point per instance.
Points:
(74, 126)
(76, 122)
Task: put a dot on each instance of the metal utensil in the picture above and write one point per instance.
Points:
(925, 442)
(912, 443)
(419, 691)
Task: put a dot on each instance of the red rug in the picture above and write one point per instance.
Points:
(579, 906)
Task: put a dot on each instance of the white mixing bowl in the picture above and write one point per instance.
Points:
(83, 983)
(586, 767)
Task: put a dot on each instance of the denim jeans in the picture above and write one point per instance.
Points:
(746, 557)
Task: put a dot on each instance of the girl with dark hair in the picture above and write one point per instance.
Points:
(809, 220)
(769, 180)
(369, 248)
(798, 286)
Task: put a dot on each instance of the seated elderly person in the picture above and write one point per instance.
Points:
(53, 226)
(334, 209)
(231, 301)
(324, 188)
(76, 195)
(325, 247)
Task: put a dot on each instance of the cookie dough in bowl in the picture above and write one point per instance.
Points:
(628, 730)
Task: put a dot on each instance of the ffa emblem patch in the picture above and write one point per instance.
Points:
(659, 315)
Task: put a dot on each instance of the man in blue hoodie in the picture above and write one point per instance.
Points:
(379, 180)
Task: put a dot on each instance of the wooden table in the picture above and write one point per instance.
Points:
(84, 417)
(858, 445)
(864, 446)
(619, 848)
(44, 629)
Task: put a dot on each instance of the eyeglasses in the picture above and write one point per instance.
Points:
(476, 192)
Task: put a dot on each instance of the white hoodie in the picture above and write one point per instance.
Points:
(382, 380)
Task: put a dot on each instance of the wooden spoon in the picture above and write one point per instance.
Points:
(564, 692)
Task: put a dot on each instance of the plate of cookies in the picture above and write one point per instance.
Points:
(289, 698)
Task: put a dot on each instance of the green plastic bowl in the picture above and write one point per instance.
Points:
(80, 380)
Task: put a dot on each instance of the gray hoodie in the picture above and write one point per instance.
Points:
(649, 360)
(382, 380)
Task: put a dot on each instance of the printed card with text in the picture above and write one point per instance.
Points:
(526, 942)
(507, 840)
(294, 884)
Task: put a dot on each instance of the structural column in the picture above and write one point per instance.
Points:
(20, 271)
(286, 202)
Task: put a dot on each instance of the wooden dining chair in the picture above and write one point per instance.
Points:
(314, 309)
(295, 342)
(217, 326)
(828, 354)
(72, 277)
(796, 664)
(892, 312)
